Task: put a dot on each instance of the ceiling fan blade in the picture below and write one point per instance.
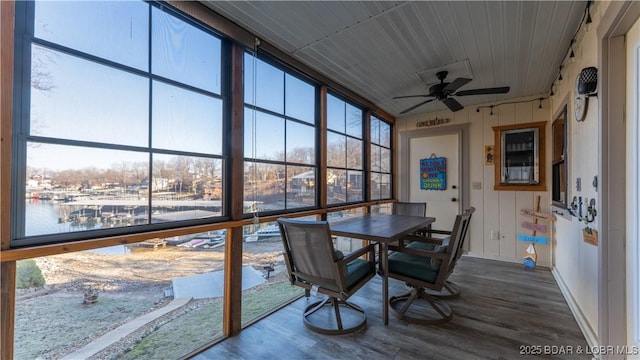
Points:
(486, 91)
(456, 84)
(453, 104)
(410, 96)
(415, 106)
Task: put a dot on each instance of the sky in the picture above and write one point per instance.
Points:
(84, 100)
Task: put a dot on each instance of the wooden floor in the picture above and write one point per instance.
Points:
(503, 312)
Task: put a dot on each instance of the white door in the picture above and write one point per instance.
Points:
(444, 205)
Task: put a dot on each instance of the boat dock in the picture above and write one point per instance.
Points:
(153, 243)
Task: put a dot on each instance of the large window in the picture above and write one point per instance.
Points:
(345, 175)
(380, 159)
(280, 170)
(122, 123)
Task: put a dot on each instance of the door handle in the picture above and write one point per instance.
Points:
(454, 199)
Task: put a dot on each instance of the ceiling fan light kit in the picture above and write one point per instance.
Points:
(444, 92)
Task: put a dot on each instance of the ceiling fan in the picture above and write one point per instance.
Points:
(444, 90)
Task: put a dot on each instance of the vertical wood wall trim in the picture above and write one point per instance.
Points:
(322, 149)
(7, 269)
(232, 323)
(7, 9)
(7, 307)
(395, 161)
(367, 155)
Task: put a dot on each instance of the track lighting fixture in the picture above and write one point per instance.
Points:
(586, 21)
(540, 99)
(572, 55)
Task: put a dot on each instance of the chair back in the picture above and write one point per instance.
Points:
(309, 253)
(454, 249)
(409, 208)
(459, 252)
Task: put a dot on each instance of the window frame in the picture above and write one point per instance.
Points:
(540, 165)
(227, 94)
(248, 159)
(371, 158)
(25, 39)
(364, 140)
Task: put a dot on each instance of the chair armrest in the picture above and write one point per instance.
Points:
(425, 239)
(442, 232)
(357, 253)
(419, 252)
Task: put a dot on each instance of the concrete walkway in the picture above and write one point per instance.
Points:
(115, 335)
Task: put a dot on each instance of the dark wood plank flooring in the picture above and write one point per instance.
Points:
(503, 312)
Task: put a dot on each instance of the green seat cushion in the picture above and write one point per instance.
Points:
(357, 270)
(413, 266)
(435, 263)
(427, 246)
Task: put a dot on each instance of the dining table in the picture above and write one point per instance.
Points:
(383, 229)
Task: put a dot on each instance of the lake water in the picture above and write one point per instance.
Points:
(42, 218)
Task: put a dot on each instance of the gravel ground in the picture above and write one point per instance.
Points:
(129, 286)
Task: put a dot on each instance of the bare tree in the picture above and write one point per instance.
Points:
(303, 155)
(182, 171)
(123, 169)
(160, 175)
(336, 154)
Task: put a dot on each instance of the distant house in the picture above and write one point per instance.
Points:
(304, 183)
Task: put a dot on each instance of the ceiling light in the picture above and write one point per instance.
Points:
(587, 22)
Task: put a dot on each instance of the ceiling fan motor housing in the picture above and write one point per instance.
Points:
(437, 90)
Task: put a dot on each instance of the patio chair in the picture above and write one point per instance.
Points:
(423, 270)
(314, 264)
(411, 209)
(436, 238)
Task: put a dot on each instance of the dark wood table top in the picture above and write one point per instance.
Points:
(379, 227)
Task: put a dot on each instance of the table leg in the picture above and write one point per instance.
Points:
(385, 282)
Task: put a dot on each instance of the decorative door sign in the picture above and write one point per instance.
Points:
(433, 173)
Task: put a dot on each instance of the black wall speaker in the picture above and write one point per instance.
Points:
(588, 82)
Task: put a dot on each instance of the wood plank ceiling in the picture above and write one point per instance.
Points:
(383, 49)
